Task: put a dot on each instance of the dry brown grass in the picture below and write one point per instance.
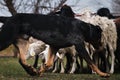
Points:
(8, 51)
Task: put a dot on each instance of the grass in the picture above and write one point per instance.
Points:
(10, 69)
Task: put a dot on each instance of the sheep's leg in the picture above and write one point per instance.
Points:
(112, 59)
(78, 65)
(104, 58)
(36, 61)
(73, 65)
(22, 45)
(81, 63)
(82, 51)
(68, 62)
(62, 66)
(50, 59)
(112, 63)
(55, 66)
(61, 57)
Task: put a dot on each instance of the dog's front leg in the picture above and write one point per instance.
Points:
(23, 46)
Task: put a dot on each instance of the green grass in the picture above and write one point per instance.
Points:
(10, 69)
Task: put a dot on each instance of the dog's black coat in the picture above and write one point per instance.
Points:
(57, 31)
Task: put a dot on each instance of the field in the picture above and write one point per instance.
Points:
(10, 69)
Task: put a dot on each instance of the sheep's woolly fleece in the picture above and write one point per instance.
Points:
(35, 47)
(109, 34)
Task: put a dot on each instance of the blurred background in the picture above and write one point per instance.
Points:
(10, 7)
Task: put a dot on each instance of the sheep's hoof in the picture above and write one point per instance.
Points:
(54, 71)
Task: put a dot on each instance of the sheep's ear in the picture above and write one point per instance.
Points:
(43, 45)
(31, 40)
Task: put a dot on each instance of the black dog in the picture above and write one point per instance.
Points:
(57, 31)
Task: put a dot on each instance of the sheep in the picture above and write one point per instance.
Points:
(71, 51)
(61, 54)
(37, 47)
(109, 33)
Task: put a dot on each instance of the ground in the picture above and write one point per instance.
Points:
(10, 69)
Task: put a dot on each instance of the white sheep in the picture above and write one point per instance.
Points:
(109, 33)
